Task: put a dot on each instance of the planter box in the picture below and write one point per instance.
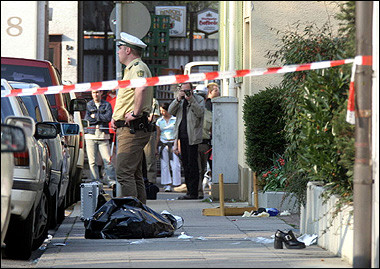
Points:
(334, 234)
(277, 200)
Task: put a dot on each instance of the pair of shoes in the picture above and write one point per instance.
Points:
(181, 188)
(167, 188)
(187, 197)
(288, 239)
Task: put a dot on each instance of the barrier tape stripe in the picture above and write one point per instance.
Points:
(176, 79)
(359, 60)
(350, 116)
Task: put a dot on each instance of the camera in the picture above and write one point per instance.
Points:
(187, 93)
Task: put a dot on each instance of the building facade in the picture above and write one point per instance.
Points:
(245, 37)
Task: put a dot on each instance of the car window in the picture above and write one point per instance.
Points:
(51, 99)
(32, 106)
(66, 99)
(49, 107)
(6, 108)
(39, 75)
(203, 69)
(25, 111)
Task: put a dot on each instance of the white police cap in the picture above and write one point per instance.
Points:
(130, 41)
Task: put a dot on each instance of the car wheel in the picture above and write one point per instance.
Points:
(41, 222)
(19, 237)
(61, 211)
(78, 181)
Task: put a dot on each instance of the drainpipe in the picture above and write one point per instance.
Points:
(117, 36)
(223, 46)
(231, 52)
(362, 167)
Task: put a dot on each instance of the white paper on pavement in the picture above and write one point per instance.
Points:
(308, 239)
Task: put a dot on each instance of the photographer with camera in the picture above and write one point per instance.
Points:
(99, 114)
(188, 108)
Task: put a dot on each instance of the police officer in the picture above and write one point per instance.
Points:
(130, 118)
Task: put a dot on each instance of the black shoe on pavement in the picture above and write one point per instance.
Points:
(187, 197)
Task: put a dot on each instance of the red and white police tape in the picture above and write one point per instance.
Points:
(176, 79)
(359, 60)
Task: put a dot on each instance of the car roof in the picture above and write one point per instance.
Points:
(191, 64)
(24, 61)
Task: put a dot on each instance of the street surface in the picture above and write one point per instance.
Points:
(216, 241)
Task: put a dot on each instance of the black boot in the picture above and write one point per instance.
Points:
(288, 239)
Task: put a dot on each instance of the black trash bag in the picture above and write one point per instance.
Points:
(127, 218)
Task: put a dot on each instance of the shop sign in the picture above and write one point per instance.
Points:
(177, 19)
(208, 21)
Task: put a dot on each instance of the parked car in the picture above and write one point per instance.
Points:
(39, 109)
(80, 143)
(28, 225)
(44, 74)
(12, 140)
(201, 67)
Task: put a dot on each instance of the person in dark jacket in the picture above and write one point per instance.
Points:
(99, 114)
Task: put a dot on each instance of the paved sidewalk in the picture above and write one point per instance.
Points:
(217, 242)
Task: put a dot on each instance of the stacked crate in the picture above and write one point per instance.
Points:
(156, 54)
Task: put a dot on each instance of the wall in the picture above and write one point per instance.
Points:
(258, 17)
(65, 22)
(24, 22)
(334, 233)
(183, 44)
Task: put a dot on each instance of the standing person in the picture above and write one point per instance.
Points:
(213, 91)
(204, 148)
(98, 114)
(130, 118)
(188, 109)
(165, 146)
(111, 98)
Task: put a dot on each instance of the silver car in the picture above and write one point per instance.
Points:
(28, 225)
(12, 140)
(39, 109)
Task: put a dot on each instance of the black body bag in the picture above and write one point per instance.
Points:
(128, 218)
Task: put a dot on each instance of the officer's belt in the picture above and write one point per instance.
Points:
(137, 124)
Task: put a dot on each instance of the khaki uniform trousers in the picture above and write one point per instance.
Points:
(129, 162)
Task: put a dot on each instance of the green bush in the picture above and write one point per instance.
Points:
(312, 101)
(262, 115)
